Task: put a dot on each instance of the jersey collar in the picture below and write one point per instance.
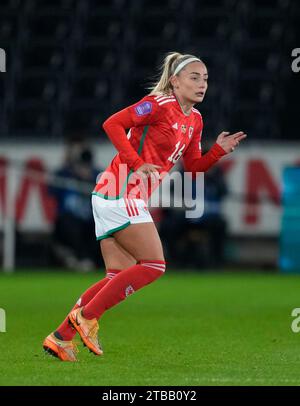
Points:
(178, 105)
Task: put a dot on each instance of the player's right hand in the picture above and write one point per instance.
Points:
(230, 141)
(149, 170)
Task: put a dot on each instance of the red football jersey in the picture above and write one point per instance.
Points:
(160, 133)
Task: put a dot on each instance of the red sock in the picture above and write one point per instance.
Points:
(122, 285)
(65, 330)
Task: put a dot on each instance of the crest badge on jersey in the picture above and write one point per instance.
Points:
(143, 108)
(191, 129)
(183, 128)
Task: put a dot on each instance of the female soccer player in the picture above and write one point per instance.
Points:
(164, 126)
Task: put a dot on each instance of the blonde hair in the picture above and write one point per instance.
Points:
(163, 84)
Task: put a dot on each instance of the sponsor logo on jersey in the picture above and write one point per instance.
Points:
(143, 108)
(183, 128)
(191, 129)
(175, 126)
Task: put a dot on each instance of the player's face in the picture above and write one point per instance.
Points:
(192, 82)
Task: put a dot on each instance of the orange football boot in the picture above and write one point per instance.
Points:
(87, 329)
(64, 350)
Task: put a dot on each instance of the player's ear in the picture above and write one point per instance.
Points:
(174, 81)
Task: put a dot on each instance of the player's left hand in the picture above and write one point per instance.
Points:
(230, 142)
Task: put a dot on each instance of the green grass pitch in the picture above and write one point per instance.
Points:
(184, 329)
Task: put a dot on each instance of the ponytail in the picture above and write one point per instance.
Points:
(163, 85)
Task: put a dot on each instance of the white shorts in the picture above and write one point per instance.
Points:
(114, 215)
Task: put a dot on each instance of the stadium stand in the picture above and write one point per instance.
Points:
(73, 62)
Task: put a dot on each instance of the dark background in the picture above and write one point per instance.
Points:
(71, 63)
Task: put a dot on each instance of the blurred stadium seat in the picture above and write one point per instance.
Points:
(51, 25)
(43, 56)
(107, 52)
(31, 119)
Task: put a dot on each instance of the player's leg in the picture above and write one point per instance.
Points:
(116, 258)
(142, 242)
(60, 342)
(114, 255)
